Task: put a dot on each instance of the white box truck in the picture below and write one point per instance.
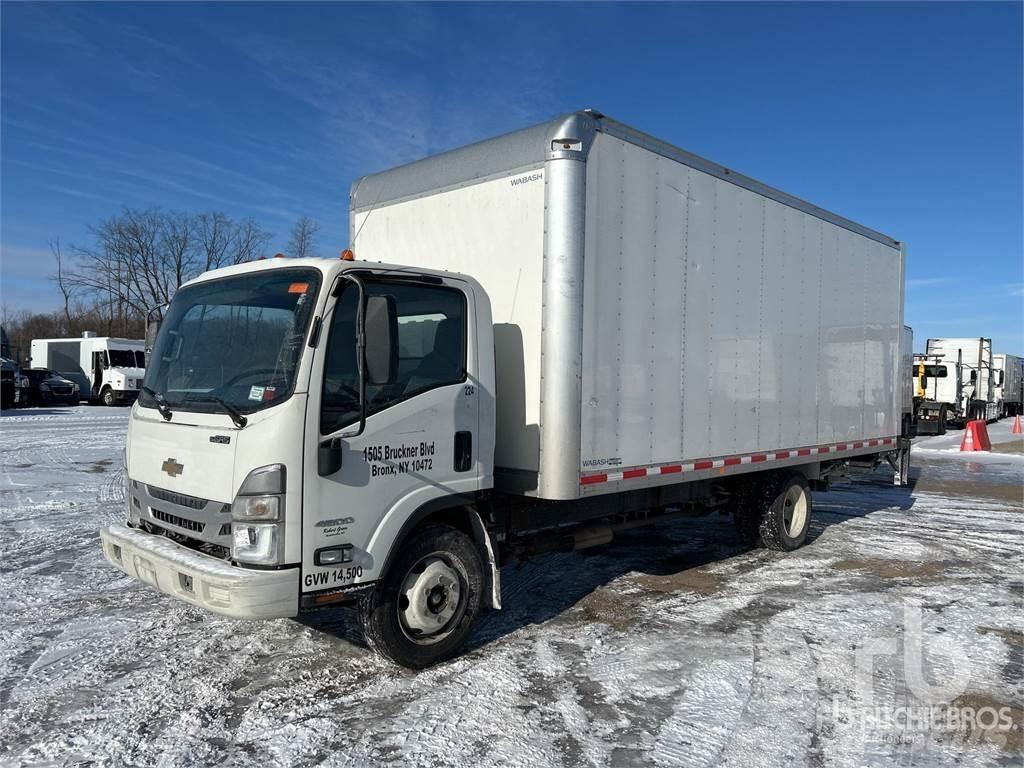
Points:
(106, 369)
(1008, 388)
(548, 337)
(954, 383)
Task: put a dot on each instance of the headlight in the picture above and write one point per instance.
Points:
(44, 387)
(74, 387)
(254, 539)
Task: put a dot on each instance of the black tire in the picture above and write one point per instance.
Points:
(107, 396)
(384, 610)
(776, 529)
(76, 401)
(746, 514)
(765, 510)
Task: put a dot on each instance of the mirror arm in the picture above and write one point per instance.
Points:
(360, 350)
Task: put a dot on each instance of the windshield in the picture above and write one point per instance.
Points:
(122, 358)
(238, 339)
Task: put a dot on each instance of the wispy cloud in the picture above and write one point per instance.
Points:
(377, 111)
(926, 282)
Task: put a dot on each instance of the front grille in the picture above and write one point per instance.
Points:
(61, 390)
(182, 500)
(179, 522)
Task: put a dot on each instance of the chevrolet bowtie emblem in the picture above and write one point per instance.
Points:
(172, 467)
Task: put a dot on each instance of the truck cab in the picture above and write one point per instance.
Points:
(297, 419)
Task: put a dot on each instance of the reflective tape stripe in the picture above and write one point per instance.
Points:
(702, 465)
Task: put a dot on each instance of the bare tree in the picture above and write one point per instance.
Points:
(303, 240)
(63, 284)
(139, 258)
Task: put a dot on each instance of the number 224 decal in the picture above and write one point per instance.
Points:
(469, 390)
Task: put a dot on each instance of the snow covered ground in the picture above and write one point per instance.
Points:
(672, 646)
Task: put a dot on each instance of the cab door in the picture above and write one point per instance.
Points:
(420, 440)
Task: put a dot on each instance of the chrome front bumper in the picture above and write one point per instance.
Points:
(200, 579)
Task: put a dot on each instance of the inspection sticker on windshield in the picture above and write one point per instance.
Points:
(256, 393)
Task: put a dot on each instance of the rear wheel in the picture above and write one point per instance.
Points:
(775, 513)
(422, 610)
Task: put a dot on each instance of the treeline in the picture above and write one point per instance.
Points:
(136, 261)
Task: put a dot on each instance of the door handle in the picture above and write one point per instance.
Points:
(463, 451)
(328, 457)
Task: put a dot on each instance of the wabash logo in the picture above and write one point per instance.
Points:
(526, 179)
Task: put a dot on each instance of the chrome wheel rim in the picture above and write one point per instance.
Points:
(430, 600)
(794, 514)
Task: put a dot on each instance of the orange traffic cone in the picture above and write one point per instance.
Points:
(976, 437)
(1016, 425)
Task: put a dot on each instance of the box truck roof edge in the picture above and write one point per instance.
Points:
(532, 146)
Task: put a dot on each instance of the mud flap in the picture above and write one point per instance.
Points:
(482, 536)
(900, 462)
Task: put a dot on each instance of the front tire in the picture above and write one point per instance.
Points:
(422, 610)
(108, 397)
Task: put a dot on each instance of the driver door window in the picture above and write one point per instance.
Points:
(431, 350)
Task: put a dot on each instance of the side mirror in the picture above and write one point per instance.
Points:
(152, 329)
(380, 325)
(174, 343)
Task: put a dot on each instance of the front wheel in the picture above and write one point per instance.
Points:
(108, 396)
(422, 610)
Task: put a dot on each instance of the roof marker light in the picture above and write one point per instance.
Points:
(348, 255)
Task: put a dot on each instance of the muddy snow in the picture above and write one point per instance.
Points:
(893, 638)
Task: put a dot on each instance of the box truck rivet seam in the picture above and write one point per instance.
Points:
(388, 430)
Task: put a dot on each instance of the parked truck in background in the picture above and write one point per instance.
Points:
(1008, 388)
(106, 369)
(955, 382)
(907, 394)
(548, 337)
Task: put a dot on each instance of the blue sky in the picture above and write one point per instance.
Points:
(904, 117)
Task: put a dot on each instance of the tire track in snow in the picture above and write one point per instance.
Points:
(707, 716)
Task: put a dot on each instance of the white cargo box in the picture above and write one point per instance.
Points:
(657, 317)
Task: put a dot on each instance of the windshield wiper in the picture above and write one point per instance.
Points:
(161, 402)
(236, 415)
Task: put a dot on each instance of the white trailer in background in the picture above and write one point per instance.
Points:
(957, 384)
(1008, 390)
(549, 337)
(106, 369)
